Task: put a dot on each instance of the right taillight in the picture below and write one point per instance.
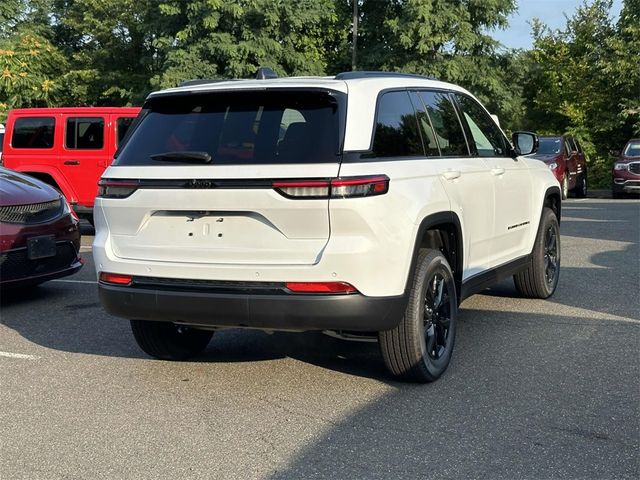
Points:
(343, 187)
(108, 188)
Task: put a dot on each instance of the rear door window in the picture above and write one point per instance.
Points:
(33, 132)
(396, 132)
(84, 133)
(235, 128)
(445, 122)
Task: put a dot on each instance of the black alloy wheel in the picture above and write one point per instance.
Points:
(419, 348)
(437, 317)
(551, 263)
(540, 278)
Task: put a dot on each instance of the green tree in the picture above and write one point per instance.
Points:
(30, 69)
(583, 80)
(446, 39)
(232, 38)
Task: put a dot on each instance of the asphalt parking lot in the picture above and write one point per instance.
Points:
(536, 389)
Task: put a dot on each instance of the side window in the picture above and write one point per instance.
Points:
(426, 129)
(85, 133)
(122, 126)
(396, 132)
(446, 124)
(33, 132)
(567, 147)
(488, 138)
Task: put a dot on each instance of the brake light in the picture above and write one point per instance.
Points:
(321, 287)
(303, 188)
(108, 188)
(116, 278)
(344, 187)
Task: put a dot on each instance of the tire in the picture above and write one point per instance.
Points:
(565, 186)
(540, 278)
(168, 341)
(581, 188)
(419, 348)
(616, 194)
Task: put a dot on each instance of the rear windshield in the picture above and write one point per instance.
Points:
(249, 127)
(549, 145)
(632, 150)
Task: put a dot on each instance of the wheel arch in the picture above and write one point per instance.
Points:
(51, 177)
(552, 200)
(441, 231)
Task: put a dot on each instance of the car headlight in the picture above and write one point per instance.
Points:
(620, 166)
(552, 165)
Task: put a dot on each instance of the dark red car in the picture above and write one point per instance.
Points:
(626, 171)
(39, 233)
(565, 157)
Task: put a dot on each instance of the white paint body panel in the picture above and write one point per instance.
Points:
(367, 242)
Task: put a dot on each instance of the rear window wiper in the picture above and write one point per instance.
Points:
(186, 157)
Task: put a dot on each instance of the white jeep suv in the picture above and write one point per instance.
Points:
(366, 203)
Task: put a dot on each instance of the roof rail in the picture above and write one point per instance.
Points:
(373, 74)
(200, 81)
(265, 73)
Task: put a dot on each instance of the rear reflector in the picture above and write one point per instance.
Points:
(320, 287)
(116, 278)
(349, 187)
(116, 188)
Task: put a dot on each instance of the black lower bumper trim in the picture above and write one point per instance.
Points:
(270, 312)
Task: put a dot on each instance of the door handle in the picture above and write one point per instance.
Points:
(72, 162)
(451, 174)
(497, 171)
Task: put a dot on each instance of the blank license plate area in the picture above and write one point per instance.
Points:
(244, 230)
(43, 246)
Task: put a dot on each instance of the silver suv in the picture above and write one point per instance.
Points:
(367, 203)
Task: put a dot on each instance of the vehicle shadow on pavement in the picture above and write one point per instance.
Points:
(79, 326)
(510, 406)
(603, 288)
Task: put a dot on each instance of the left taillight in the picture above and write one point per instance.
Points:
(343, 187)
(108, 188)
(115, 278)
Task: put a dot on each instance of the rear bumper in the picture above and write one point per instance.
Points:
(275, 311)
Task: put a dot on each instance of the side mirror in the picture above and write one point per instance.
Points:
(525, 143)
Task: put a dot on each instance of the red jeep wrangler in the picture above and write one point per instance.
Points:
(68, 148)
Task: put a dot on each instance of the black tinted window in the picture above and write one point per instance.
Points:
(1, 140)
(123, 125)
(239, 128)
(446, 124)
(487, 137)
(396, 132)
(33, 132)
(85, 133)
(426, 129)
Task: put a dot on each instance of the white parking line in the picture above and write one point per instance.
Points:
(86, 282)
(85, 249)
(22, 356)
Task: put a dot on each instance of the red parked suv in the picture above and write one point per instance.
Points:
(626, 171)
(67, 148)
(565, 157)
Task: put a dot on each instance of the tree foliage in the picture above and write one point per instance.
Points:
(581, 79)
(584, 79)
